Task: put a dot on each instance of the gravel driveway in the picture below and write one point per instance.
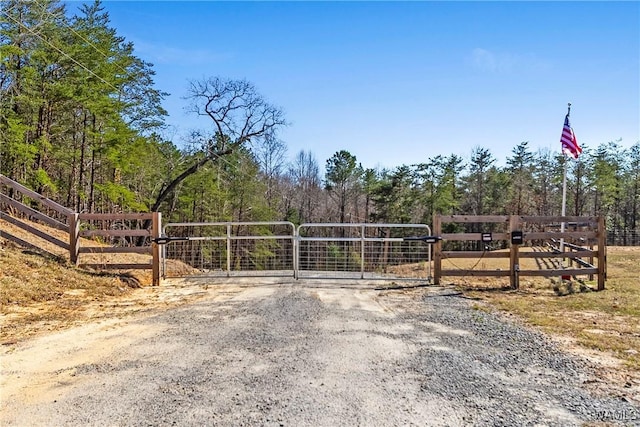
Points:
(304, 354)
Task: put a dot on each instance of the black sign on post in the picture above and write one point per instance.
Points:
(486, 237)
(517, 237)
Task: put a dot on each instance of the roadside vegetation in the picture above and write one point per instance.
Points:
(40, 293)
(607, 321)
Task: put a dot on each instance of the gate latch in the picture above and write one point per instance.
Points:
(426, 239)
(163, 240)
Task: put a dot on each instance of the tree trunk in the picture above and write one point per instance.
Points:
(164, 193)
(83, 145)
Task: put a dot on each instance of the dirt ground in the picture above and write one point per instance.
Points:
(285, 353)
(113, 313)
(49, 367)
(58, 343)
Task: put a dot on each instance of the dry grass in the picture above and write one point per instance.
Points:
(603, 327)
(36, 291)
(40, 292)
(607, 321)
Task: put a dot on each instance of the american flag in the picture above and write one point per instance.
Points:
(568, 140)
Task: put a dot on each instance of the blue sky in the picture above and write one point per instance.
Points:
(399, 82)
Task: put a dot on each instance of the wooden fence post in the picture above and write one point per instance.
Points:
(514, 260)
(155, 247)
(602, 253)
(437, 253)
(591, 260)
(74, 237)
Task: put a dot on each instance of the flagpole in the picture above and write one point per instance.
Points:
(564, 193)
(564, 202)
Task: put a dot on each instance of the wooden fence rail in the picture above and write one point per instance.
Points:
(35, 196)
(153, 234)
(585, 229)
(76, 225)
(60, 222)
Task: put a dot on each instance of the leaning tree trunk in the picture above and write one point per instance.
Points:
(166, 191)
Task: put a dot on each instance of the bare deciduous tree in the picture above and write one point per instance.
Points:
(304, 197)
(239, 114)
(270, 154)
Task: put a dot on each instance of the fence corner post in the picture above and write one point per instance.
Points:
(514, 261)
(74, 237)
(155, 247)
(437, 253)
(602, 253)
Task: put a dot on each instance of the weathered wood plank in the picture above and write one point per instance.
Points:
(35, 196)
(459, 237)
(569, 255)
(602, 255)
(74, 237)
(591, 220)
(576, 247)
(559, 272)
(477, 273)
(437, 250)
(34, 213)
(112, 217)
(156, 259)
(36, 232)
(474, 254)
(514, 254)
(114, 233)
(116, 266)
(114, 250)
(583, 263)
(474, 218)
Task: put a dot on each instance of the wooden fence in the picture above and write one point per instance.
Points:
(35, 207)
(539, 231)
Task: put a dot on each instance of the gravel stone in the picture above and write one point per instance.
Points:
(315, 355)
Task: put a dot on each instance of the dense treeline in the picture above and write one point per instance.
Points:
(76, 106)
(80, 121)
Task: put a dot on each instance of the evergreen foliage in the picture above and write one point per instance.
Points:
(81, 122)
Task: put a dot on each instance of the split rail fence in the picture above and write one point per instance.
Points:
(119, 232)
(583, 242)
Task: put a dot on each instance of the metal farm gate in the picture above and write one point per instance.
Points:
(371, 251)
(322, 250)
(228, 248)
